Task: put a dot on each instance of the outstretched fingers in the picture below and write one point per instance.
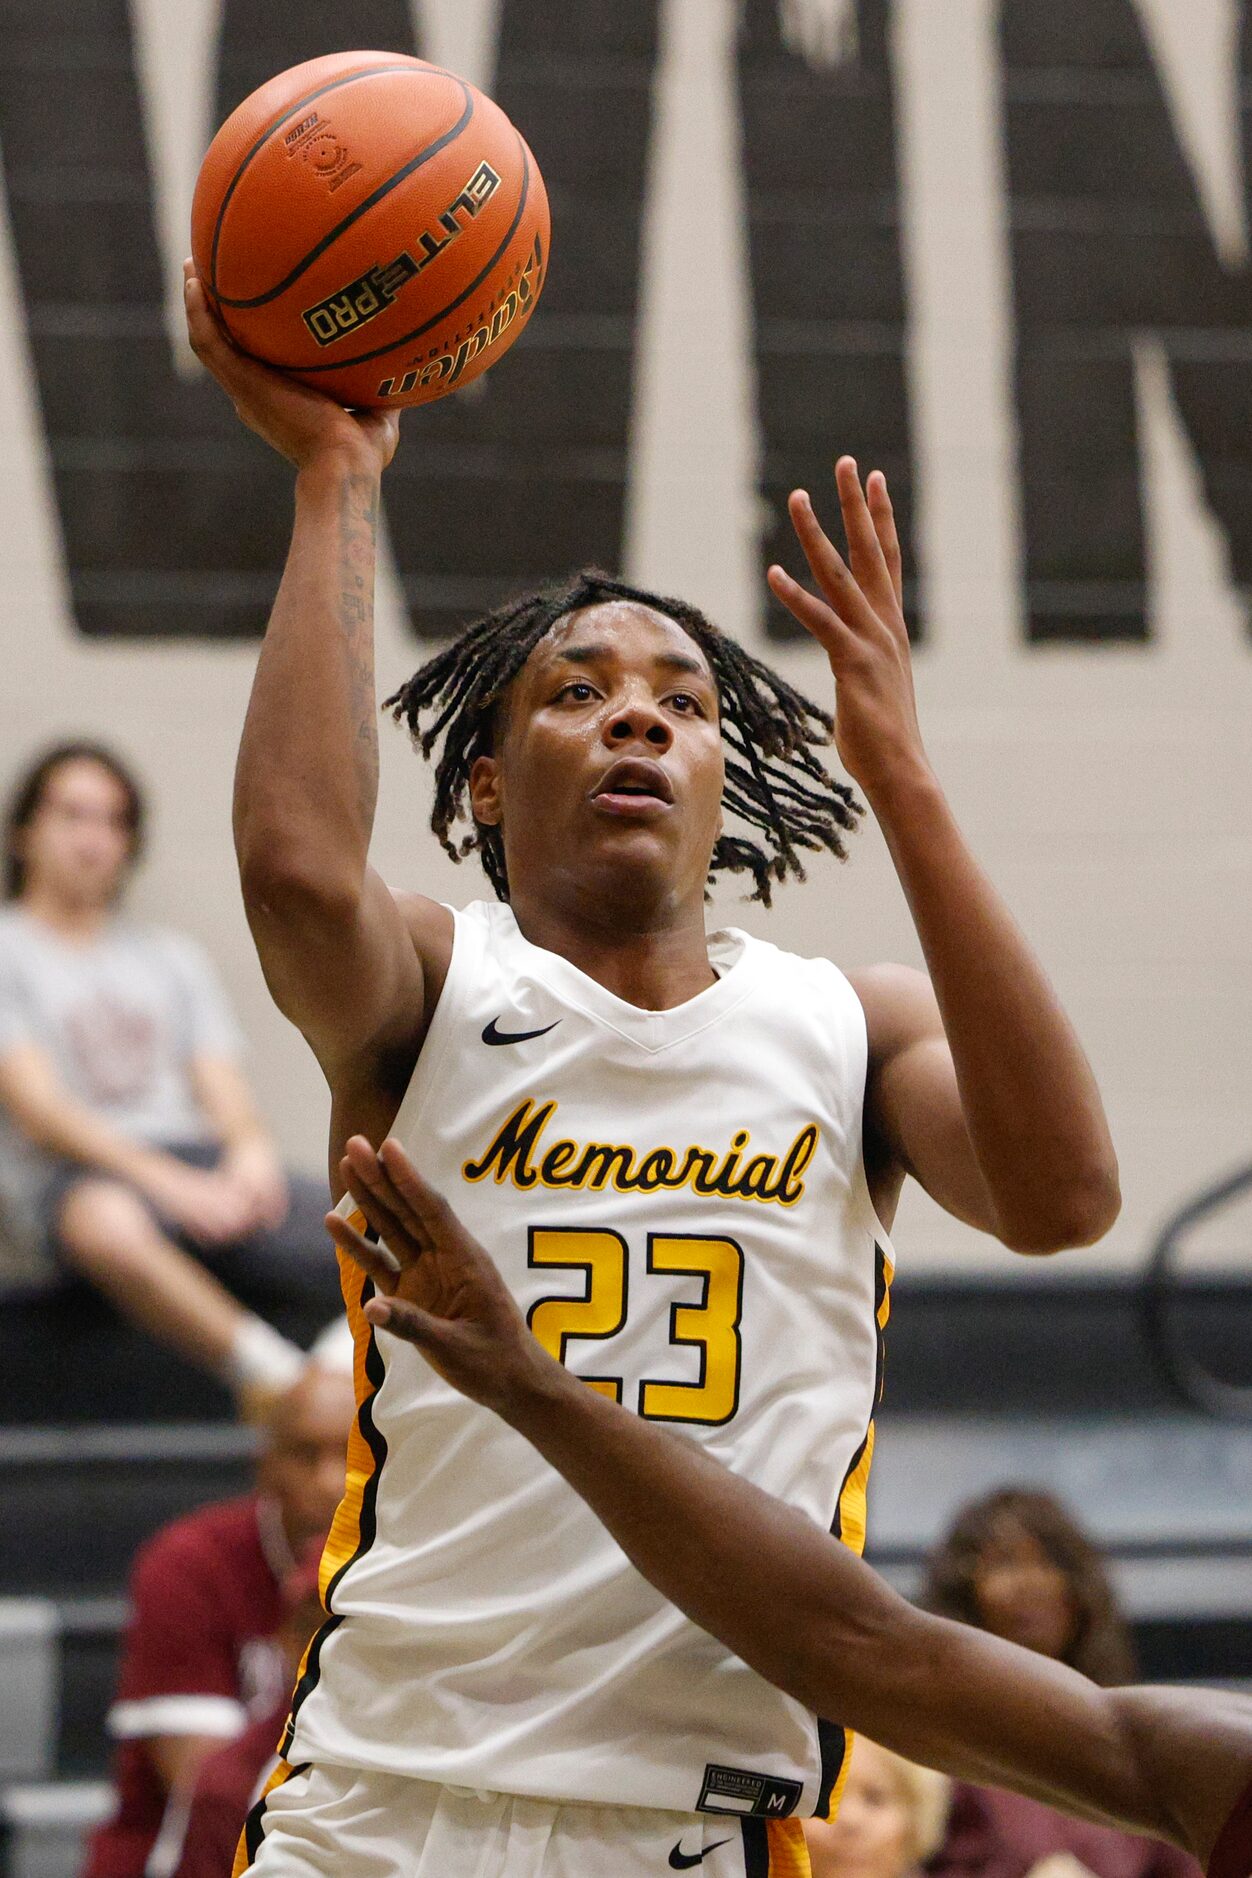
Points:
(366, 1169)
(865, 548)
(879, 499)
(405, 1320)
(374, 1259)
(817, 616)
(428, 1210)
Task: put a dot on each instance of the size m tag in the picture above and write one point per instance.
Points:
(737, 1790)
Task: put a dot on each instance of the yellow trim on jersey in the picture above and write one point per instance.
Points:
(888, 1274)
(243, 1858)
(345, 1532)
(853, 1503)
(841, 1778)
(788, 1851)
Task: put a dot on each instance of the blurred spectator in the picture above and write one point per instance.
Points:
(1015, 1563)
(891, 1818)
(232, 1777)
(201, 1657)
(128, 1135)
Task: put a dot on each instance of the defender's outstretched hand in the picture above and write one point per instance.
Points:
(296, 421)
(858, 620)
(436, 1287)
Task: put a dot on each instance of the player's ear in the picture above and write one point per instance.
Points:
(486, 793)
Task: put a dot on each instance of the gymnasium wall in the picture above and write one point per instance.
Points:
(1000, 251)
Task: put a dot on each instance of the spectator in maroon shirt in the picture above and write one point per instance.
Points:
(1015, 1563)
(200, 1659)
(231, 1777)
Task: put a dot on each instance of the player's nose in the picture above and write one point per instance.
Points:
(638, 719)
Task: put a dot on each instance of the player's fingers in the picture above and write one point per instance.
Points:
(378, 1215)
(406, 1320)
(377, 1176)
(237, 374)
(208, 338)
(376, 1261)
(816, 616)
(828, 567)
(431, 1211)
(864, 548)
(879, 499)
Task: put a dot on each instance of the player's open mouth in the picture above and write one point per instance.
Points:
(634, 787)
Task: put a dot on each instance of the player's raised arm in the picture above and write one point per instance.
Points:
(978, 1086)
(793, 1602)
(342, 958)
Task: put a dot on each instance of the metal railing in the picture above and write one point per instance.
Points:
(1180, 1366)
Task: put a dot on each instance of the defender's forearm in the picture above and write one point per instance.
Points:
(1031, 1106)
(307, 776)
(811, 1617)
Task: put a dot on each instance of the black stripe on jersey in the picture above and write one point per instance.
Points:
(376, 1442)
(880, 1298)
(367, 1529)
(755, 1849)
(832, 1746)
(832, 1740)
(253, 1826)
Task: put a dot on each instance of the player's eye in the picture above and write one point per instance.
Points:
(687, 702)
(578, 689)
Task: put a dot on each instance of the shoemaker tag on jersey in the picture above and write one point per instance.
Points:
(735, 1790)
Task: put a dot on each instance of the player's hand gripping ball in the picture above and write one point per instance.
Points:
(372, 225)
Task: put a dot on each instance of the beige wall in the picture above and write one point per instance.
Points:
(1106, 789)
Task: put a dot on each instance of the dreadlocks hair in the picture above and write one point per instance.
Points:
(774, 782)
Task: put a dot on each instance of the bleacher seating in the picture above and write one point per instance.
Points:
(1034, 1377)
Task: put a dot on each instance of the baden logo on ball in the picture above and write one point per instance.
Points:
(372, 225)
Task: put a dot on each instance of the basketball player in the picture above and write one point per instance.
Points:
(683, 1148)
(804, 1611)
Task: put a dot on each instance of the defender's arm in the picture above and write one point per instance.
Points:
(792, 1601)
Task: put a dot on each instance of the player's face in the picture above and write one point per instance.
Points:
(1022, 1594)
(873, 1834)
(303, 1467)
(608, 769)
(76, 846)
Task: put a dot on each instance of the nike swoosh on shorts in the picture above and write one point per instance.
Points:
(683, 1861)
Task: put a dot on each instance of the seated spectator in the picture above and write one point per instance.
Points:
(201, 1658)
(232, 1777)
(1016, 1563)
(890, 1820)
(131, 1152)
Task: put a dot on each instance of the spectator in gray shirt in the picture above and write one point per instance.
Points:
(131, 1151)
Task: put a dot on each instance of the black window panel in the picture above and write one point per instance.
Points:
(827, 282)
(1109, 241)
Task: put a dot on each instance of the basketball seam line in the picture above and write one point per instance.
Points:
(363, 358)
(333, 85)
(383, 71)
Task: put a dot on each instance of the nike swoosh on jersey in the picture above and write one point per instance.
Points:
(495, 1036)
(683, 1861)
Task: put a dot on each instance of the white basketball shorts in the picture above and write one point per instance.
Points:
(347, 1822)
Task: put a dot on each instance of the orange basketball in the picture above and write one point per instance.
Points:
(372, 225)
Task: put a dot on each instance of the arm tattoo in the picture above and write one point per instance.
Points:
(358, 538)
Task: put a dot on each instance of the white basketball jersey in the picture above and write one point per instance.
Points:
(678, 1202)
